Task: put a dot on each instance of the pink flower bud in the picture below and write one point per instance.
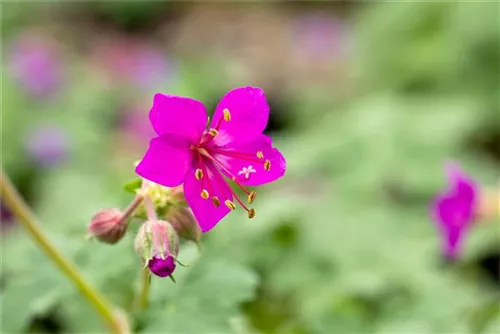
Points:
(184, 223)
(108, 226)
(157, 244)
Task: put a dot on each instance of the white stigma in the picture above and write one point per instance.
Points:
(246, 171)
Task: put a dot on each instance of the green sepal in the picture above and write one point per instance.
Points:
(133, 185)
(180, 263)
(172, 278)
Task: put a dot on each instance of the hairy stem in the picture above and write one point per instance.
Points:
(26, 217)
(150, 208)
(143, 296)
(132, 206)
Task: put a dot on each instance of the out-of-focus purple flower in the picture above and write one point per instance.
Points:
(133, 63)
(48, 145)
(135, 123)
(35, 62)
(319, 36)
(454, 210)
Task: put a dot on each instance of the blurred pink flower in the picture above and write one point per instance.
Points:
(133, 63)
(135, 124)
(454, 210)
(319, 36)
(34, 61)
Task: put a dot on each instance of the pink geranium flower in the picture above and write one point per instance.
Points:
(207, 160)
(455, 209)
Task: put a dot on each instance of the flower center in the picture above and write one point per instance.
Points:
(212, 172)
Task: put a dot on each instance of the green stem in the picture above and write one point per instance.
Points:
(16, 204)
(142, 298)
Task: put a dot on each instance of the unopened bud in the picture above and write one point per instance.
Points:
(157, 244)
(184, 223)
(108, 226)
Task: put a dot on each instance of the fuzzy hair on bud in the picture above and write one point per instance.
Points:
(157, 244)
(108, 226)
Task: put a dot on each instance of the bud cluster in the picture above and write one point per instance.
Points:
(157, 240)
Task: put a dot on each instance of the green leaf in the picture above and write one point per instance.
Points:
(133, 185)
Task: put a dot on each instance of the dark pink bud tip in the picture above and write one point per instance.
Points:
(162, 267)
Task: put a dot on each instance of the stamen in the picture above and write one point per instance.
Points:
(239, 155)
(221, 182)
(251, 197)
(198, 174)
(207, 179)
(230, 204)
(216, 201)
(267, 165)
(213, 132)
(221, 165)
(251, 213)
(260, 155)
(227, 115)
(204, 194)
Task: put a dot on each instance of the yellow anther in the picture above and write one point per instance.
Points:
(230, 204)
(204, 194)
(216, 201)
(251, 213)
(198, 174)
(213, 132)
(227, 115)
(260, 155)
(267, 165)
(251, 197)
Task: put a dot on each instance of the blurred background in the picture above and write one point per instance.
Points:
(368, 100)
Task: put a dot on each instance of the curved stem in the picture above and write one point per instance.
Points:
(26, 217)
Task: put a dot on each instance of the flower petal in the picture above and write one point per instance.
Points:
(178, 115)
(248, 168)
(166, 161)
(249, 115)
(205, 211)
(162, 267)
(461, 184)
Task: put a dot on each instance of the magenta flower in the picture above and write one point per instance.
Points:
(454, 210)
(232, 150)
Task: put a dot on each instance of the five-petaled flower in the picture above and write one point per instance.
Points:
(232, 149)
(455, 210)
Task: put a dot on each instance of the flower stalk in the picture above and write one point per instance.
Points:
(26, 217)
(142, 301)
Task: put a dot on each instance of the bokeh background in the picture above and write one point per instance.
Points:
(368, 102)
